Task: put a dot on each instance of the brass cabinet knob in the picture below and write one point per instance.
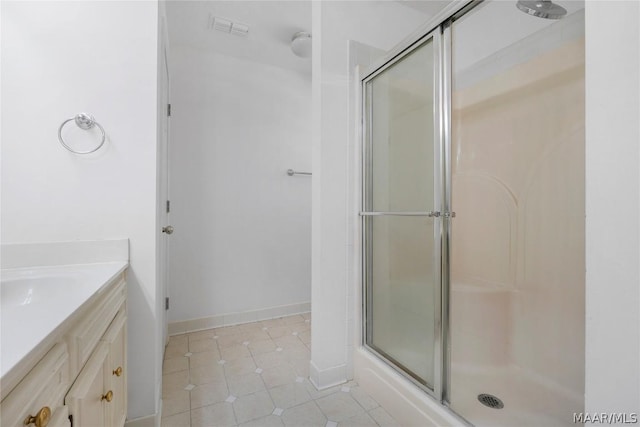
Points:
(41, 419)
(118, 371)
(108, 397)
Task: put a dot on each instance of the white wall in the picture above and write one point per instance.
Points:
(242, 238)
(58, 59)
(334, 24)
(612, 362)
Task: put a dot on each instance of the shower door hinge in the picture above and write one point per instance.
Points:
(449, 214)
(168, 206)
(166, 303)
(168, 110)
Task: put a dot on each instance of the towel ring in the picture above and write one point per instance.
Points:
(83, 121)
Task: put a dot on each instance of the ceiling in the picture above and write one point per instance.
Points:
(271, 27)
(272, 24)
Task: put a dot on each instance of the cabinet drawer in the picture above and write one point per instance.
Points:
(84, 337)
(44, 385)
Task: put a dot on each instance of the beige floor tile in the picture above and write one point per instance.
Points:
(360, 420)
(268, 421)
(363, 399)
(245, 384)
(178, 340)
(231, 340)
(279, 331)
(339, 406)
(272, 323)
(290, 320)
(383, 418)
(316, 394)
(300, 327)
(307, 316)
(305, 337)
(174, 382)
(175, 403)
(206, 344)
(301, 367)
(226, 330)
(287, 340)
(175, 351)
(177, 420)
(220, 414)
(235, 352)
(175, 364)
(278, 375)
(253, 406)
(239, 367)
(257, 394)
(305, 415)
(262, 346)
(297, 353)
(289, 395)
(269, 360)
(201, 335)
(206, 374)
(205, 358)
(208, 394)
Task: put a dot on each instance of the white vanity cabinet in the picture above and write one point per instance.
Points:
(78, 376)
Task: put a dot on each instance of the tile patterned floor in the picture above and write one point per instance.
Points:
(256, 374)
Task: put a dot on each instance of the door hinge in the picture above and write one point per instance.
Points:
(166, 303)
(168, 206)
(168, 110)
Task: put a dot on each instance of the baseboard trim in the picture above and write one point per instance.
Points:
(409, 405)
(193, 325)
(148, 421)
(325, 378)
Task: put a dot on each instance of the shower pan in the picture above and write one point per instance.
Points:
(473, 211)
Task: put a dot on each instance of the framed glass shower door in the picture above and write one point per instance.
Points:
(401, 213)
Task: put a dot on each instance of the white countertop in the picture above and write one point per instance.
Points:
(34, 301)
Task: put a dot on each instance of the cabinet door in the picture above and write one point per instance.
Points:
(116, 338)
(60, 418)
(87, 398)
(40, 391)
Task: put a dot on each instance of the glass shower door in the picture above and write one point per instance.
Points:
(401, 219)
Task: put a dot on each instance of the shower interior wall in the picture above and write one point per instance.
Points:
(242, 243)
(517, 260)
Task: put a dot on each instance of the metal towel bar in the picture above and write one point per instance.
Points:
(291, 172)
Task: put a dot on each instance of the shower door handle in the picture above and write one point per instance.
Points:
(430, 214)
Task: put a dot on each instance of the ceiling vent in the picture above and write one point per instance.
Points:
(227, 26)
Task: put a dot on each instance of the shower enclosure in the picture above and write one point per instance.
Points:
(473, 212)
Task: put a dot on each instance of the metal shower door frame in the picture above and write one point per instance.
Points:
(439, 31)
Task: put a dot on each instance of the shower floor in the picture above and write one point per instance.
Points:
(528, 401)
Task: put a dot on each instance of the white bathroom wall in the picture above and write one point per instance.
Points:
(59, 59)
(612, 382)
(242, 238)
(380, 25)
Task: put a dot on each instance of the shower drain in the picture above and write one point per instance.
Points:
(491, 401)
